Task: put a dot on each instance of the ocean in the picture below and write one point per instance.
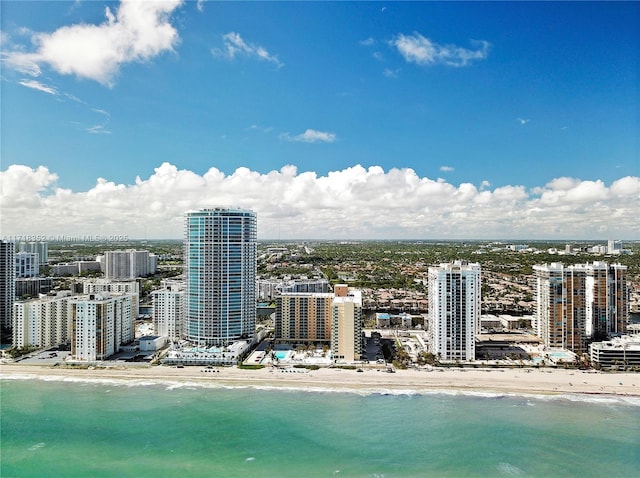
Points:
(76, 428)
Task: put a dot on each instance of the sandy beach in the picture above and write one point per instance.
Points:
(499, 381)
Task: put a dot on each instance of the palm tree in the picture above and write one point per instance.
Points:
(274, 358)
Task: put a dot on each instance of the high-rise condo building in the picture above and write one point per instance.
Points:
(346, 324)
(41, 248)
(106, 286)
(101, 324)
(303, 317)
(168, 310)
(220, 268)
(7, 282)
(580, 303)
(27, 264)
(42, 322)
(454, 310)
(126, 264)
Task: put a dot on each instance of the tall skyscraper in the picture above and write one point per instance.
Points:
(580, 303)
(168, 310)
(454, 310)
(346, 324)
(7, 282)
(220, 267)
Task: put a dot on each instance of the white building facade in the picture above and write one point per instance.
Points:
(27, 264)
(42, 322)
(40, 248)
(168, 310)
(101, 324)
(346, 324)
(454, 310)
(126, 264)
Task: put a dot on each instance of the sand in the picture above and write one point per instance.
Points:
(501, 381)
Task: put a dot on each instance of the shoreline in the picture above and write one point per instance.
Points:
(520, 382)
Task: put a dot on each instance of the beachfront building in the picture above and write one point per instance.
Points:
(7, 282)
(620, 352)
(40, 248)
(220, 268)
(168, 310)
(106, 286)
(303, 317)
(126, 264)
(346, 324)
(27, 264)
(42, 322)
(580, 303)
(101, 324)
(454, 310)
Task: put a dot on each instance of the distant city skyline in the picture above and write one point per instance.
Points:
(341, 120)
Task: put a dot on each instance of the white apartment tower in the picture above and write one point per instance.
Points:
(220, 267)
(168, 310)
(41, 248)
(126, 264)
(42, 322)
(454, 310)
(346, 324)
(101, 324)
(27, 264)
(7, 282)
(105, 286)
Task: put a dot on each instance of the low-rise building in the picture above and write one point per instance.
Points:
(618, 352)
(151, 343)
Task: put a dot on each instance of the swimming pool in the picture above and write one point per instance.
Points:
(282, 354)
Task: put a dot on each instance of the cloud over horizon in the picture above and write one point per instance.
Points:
(354, 203)
(311, 136)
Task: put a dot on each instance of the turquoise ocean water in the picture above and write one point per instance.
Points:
(125, 429)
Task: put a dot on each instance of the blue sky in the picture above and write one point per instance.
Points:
(490, 107)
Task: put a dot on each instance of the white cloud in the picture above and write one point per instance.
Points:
(368, 42)
(389, 73)
(357, 202)
(234, 45)
(98, 129)
(36, 85)
(137, 32)
(311, 136)
(446, 169)
(422, 51)
(200, 5)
